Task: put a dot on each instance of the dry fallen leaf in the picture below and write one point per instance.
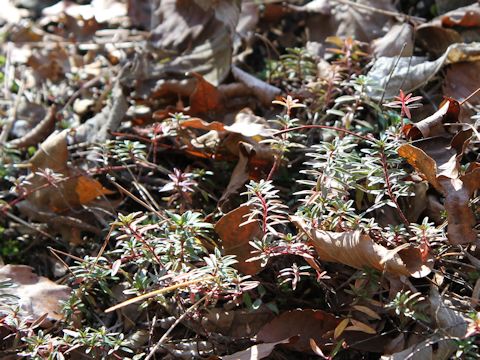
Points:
(249, 125)
(256, 352)
(262, 90)
(452, 27)
(467, 16)
(359, 251)
(440, 346)
(438, 160)
(36, 295)
(461, 81)
(196, 36)
(205, 98)
(239, 323)
(236, 238)
(412, 72)
(434, 124)
(254, 162)
(343, 20)
(306, 324)
(76, 190)
(400, 36)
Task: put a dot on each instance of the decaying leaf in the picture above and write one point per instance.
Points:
(411, 73)
(36, 295)
(253, 160)
(398, 41)
(39, 132)
(256, 352)
(70, 193)
(236, 238)
(196, 36)
(466, 16)
(359, 251)
(433, 125)
(205, 98)
(248, 124)
(461, 81)
(306, 324)
(439, 346)
(239, 323)
(438, 160)
(262, 90)
(449, 28)
(343, 20)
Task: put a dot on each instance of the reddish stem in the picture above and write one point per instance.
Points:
(390, 192)
(264, 211)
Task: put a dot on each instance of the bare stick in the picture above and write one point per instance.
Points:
(157, 292)
(164, 336)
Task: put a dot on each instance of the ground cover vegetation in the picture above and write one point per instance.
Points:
(227, 179)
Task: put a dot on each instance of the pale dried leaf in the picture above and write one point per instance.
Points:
(359, 251)
(398, 41)
(255, 352)
(411, 73)
(367, 311)
(37, 295)
(262, 90)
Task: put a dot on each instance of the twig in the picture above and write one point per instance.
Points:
(157, 292)
(469, 96)
(30, 226)
(138, 200)
(392, 70)
(174, 325)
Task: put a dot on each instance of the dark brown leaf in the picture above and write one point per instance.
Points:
(306, 324)
(359, 251)
(236, 238)
(438, 160)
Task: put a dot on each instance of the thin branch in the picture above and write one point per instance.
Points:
(174, 325)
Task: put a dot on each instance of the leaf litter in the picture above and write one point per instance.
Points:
(228, 179)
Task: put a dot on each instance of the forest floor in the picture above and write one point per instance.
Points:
(227, 179)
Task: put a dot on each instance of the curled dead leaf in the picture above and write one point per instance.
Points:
(358, 250)
(180, 30)
(254, 160)
(433, 125)
(410, 73)
(438, 160)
